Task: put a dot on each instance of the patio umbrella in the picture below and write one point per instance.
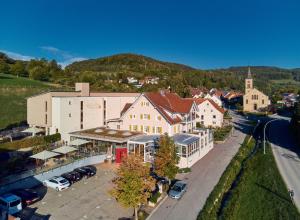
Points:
(44, 155)
(64, 149)
(78, 142)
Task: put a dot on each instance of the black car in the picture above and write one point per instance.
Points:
(93, 168)
(28, 196)
(158, 178)
(77, 175)
(71, 177)
(85, 172)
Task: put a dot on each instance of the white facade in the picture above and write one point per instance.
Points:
(214, 98)
(209, 115)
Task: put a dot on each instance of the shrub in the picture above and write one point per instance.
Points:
(213, 202)
(155, 197)
(52, 138)
(220, 134)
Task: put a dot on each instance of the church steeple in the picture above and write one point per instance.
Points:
(248, 81)
(249, 73)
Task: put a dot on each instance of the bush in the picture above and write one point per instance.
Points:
(220, 134)
(28, 142)
(213, 202)
(154, 197)
(52, 138)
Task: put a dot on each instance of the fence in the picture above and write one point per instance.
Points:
(34, 180)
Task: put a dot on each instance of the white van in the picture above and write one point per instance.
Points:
(11, 203)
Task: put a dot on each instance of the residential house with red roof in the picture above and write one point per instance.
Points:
(158, 113)
(209, 113)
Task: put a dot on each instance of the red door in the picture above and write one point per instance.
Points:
(120, 154)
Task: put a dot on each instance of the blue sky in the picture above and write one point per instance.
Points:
(201, 33)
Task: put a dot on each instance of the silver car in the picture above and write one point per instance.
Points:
(177, 190)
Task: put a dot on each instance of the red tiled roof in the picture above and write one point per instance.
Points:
(126, 107)
(198, 91)
(165, 101)
(200, 100)
(170, 101)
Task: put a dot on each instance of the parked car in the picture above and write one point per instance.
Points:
(92, 168)
(28, 196)
(10, 203)
(177, 190)
(72, 177)
(159, 178)
(58, 183)
(84, 171)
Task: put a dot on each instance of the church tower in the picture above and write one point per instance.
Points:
(248, 82)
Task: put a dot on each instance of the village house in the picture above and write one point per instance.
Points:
(209, 113)
(158, 113)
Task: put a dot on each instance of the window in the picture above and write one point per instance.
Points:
(174, 129)
(135, 128)
(118, 127)
(147, 129)
(246, 101)
(202, 117)
(142, 128)
(141, 116)
(147, 103)
(70, 115)
(159, 118)
(56, 130)
(81, 115)
(214, 116)
(130, 127)
(130, 116)
(159, 130)
(46, 106)
(263, 101)
(104, 111)
(70, 103)
(46, 119)
(153, 130)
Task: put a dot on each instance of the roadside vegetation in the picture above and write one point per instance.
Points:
(261, 192)
(213, 202)
(220, 134)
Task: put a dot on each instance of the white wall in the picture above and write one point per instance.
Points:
(207, 110)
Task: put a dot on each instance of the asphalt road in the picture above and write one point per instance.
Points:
(286, 154)
(204, 176)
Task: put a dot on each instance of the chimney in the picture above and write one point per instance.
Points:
(83, 88)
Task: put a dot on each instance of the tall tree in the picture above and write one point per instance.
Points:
(166, 158)
(19, 69)
(4, 67)
(133, 185)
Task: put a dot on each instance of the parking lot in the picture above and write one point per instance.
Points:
(86, 199)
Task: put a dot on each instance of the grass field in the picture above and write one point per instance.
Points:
(13, 94)
(261, 192)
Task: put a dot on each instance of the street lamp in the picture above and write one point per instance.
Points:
(265, 132)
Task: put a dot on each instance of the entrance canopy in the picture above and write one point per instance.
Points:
(64, 149)
(78, 142)
(44, 155)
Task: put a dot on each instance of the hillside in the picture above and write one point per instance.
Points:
(13, 94)
(128, 63)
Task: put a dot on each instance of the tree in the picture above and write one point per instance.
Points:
(39, 73)
(4, 67)
(133, 184)
(19, 69)
(166, 158)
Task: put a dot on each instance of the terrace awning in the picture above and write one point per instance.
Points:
(78, 142)
(64, 149)
(44, 155)
(33, 130)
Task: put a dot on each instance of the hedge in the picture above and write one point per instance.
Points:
(220, 134)
(155, 197)
(52, 138)
(213, 202)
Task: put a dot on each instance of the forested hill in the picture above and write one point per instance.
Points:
(111, 74)
(129, 63)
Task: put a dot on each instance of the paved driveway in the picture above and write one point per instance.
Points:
(201, 181)
(87, 199)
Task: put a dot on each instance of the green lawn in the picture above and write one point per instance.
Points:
(261, 192)
(13, 94)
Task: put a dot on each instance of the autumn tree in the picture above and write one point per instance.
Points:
(133, 185)
(166, 158)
